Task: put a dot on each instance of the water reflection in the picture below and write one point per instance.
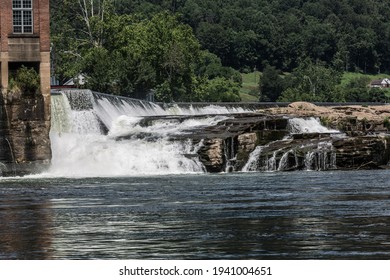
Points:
(25, 228)
(289, 216)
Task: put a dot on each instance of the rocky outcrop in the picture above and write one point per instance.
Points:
(263, 142)
(353, 120)
(25, 126)
(362, 152)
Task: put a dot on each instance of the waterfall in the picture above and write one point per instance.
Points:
(230, 154)
(99, 135)
(309, 125)
(308, 147)
(252, 163)
(271, 163)
(204, 110)
(321, 157)
(284, 161)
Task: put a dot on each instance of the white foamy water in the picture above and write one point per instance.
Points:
(211, 109)
(251, 164)
(130, 126)
(309, 125)
(130, 147)
(92, 155)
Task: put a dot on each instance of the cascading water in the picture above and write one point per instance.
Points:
(321, 157)
(306, 154)
(308, 125)
(252, 163)
(81, 148)
(100, 135)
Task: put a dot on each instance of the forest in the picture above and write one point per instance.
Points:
(195, 50)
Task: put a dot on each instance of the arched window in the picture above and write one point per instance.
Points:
(22, 16)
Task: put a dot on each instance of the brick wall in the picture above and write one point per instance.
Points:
(44, 25)
(41, 24)
(6, 23)
(33, 47)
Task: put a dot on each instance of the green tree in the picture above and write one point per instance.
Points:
(98, 67)
(271, 84)
(222, 90)
(357, 90)
(311, 82)
(27, 80)
(154, 54)
(210, 66)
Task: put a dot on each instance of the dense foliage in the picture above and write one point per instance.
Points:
(180, 48)
(26, 80)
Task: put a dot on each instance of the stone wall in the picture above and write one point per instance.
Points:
(24, 133)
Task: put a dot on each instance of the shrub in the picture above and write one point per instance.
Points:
(27, 80)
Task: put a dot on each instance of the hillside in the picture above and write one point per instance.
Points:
(188, 50)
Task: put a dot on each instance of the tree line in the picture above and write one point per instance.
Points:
(192, 50)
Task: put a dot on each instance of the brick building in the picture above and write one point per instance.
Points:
(24, 116)
(25, 39)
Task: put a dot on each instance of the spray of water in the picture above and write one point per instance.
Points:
(129, 148)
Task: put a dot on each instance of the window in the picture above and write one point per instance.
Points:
(22, 16)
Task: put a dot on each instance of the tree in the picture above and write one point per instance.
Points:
(357, 90)
(243, 34)
(76, 27)
(311, 82)
(222, 90)
(98, 67)
(271, 84)
(216, 39)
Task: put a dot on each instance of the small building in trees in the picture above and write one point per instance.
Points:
(381, 83)
(25, 40)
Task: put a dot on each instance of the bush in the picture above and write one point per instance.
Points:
(27, 80)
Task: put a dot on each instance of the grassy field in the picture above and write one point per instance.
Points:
(348, 76)
(249, 91)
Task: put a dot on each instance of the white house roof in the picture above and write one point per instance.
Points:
(80, 78)
(382, 82)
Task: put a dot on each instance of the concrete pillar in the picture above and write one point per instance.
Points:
(4, 70)
(44, 71)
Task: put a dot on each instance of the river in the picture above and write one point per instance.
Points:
(269, 215)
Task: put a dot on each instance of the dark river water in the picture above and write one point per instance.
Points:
(299, 215)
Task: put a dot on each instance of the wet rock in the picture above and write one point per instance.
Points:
(211, 154)
(301, 151)
(366, 152)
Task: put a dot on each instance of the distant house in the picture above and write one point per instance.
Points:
(382, 83)
(72, 83)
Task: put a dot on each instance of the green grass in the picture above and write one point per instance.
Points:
(251, 78)
(249, 91)
(248, 98)
(348, 76)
